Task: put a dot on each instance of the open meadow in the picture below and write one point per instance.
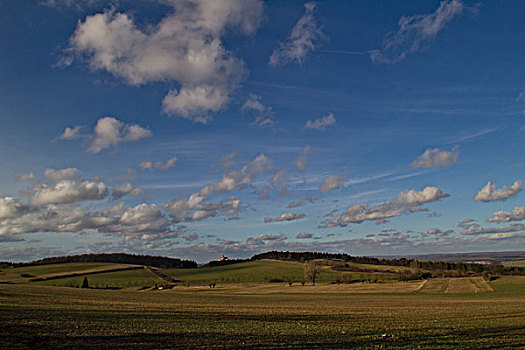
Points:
(439, 313)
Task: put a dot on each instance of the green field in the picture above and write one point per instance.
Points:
(518, 263)
(267, 316)
(119, 279)
(25, 274)
(266, 270)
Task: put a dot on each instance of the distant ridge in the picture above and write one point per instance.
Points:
(120, 258)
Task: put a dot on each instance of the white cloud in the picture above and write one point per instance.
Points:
(321, 123)
(302, 39)
(332, 182)
(260, 239)
(26, 177)
(72, 133)
(125, 189)
(439, 233)
(302, 160)
(304, 235)
(67, 191)
(263, 114)
(62, 174)
(184, 47)
(414, 30)
(477, 230)
(516, 214)
(147, 165)
(286, 217)
(436, 158)
(110, 132)
(195, 208)
(405, 202)
(489, 192)
(412, 198)
(191, 238)
(302, 200)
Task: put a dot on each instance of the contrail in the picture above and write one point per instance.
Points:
(343, 52)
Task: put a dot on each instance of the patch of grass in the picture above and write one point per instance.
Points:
(15, 274)
(264, 271)
(118, 279)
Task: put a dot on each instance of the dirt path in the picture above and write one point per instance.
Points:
(421, 286)
(161, 275)
(461, 285)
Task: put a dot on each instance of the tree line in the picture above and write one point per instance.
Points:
(493, 268)
(120, 258)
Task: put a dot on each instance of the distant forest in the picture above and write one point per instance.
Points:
(120, 258)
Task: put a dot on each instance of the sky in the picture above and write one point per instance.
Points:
(194, 129)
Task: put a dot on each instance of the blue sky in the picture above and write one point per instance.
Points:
(195, 129)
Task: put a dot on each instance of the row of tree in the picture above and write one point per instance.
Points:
(120, 258)
(493, 268)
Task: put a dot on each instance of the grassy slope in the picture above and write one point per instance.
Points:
(119, 279)
(262, 271)
(14, 274)
(193, 318)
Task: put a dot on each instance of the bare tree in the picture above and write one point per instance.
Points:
(311, 271)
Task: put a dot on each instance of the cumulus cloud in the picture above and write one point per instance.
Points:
(466, 223)
(321, 123)
(415, 30)
(436, 158)
(110, 132)
(57, 175)
(263, 115)
(405, 202)
(26, 177)
(489, 192)
(439, 233)
(194, 207)
(260, 239)
(412, 198)
(516, 214)
(302, 200)
(285, 217)
(332, 182)
(304, 235)
(302, 160)
(67, 191)
(478, 230)
(147, 165)
(125, 189)
(302, 40)
(185, 47)
(74, 133)
(192, 237)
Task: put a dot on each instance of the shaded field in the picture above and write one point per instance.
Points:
(118, 279)
(25, 274)
(237, 317)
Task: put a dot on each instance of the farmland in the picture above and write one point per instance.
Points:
(263, 316)
(246, 311)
